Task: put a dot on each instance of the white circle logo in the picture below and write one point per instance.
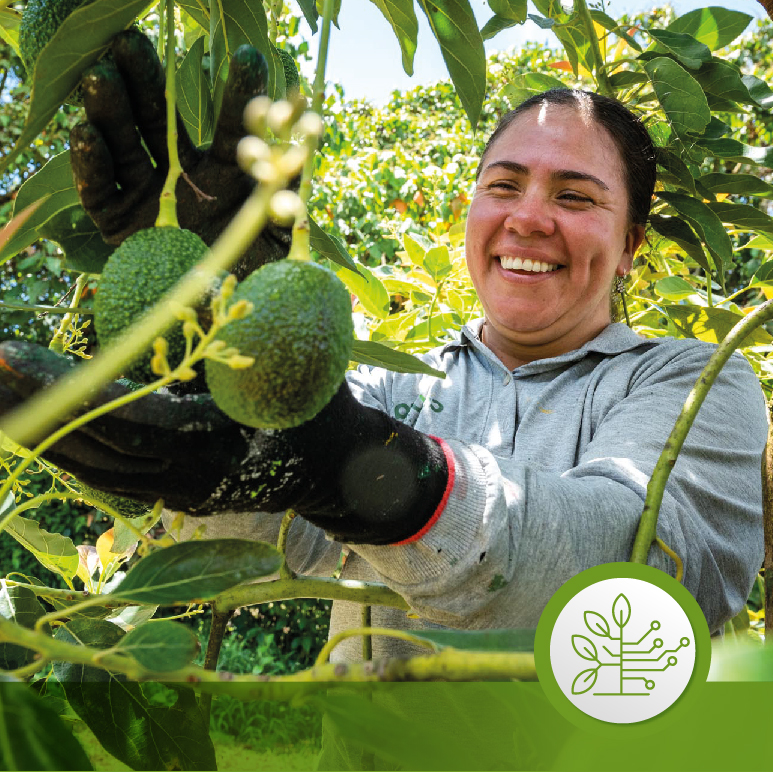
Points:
(622, 650)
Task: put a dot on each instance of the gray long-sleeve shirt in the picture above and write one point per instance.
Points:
(551, 463)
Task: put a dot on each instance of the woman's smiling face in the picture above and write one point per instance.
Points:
(547, 231)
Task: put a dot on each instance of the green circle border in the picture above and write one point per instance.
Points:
(585, 579)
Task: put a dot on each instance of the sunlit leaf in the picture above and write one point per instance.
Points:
(739, 184)
(680, 95)
(453, 24)
(715, 26)
(375, 354)
(689, 51)
(19, 605)
(674, 288)
(369, 290)
(56, 552)
(402, 17)
(197, 571)
(711, 324)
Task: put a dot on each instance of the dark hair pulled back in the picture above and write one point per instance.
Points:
(628, 132)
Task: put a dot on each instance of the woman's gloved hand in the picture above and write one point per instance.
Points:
(120, 159)
(362, 476)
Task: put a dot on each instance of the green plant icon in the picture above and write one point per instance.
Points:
(632, 662)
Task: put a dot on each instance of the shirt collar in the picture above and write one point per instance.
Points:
(615, 338)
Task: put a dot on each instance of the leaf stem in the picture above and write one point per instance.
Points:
(301, 229)
(646, 533)
(167, 208)
(57, 342)
(602, 79)
(44, 309)
(402, 635)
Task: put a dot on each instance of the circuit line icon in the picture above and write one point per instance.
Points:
(637, 661)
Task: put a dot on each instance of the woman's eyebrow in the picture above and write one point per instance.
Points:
(559, 174)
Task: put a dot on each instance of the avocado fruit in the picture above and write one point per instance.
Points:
(292, 77)
(122, 505)
(300, 335)
(142, 269)
(40, 21)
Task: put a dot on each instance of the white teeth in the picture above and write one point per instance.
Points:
(535, 266)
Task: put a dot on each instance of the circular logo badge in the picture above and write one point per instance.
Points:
(619, 647)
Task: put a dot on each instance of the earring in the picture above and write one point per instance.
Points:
(620, 290)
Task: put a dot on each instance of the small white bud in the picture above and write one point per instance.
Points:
(255, 115)
(286, 206)
(264, 171)
(280, 117)
(310, 125)
(291, 162)
(250, 150)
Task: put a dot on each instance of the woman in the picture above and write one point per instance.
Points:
(477, 496)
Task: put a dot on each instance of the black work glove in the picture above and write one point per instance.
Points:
(118, 183)
(359, 474)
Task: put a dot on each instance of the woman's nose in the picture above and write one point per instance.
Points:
(529, 216)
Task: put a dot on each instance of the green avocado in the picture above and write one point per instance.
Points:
(40, 20)
(292, 78)
(300, 334)
(142, 269)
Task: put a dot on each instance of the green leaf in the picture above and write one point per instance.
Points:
(674, 288)
(677, 230)
(514, 10)
(480, 640)
(737, 184)
(673, 164)
(542, 22)
(521, 87)
(368, 289)
(309, 9)
(19, 605)
(690, 52)
(194, 98)
(712, 324)
(196, 571)
(706, 224)
(82, 38)
(402, 17)
(453, 25)
(759, 91)
(733, 150)
(495, 25)
(79, 239)
(330, 247)
(764, 274)
(198, 10)
(375, 354)
(723, 80)
(610, 24)
(56, 552)
(716, 27)
(760, 242)
(123, 538)
(54, 183)
(139, 734)
(626, 78)
(234, 23)
(162, 645)
(680, 95)
(743, 216)
(32, 736)
(437, 262)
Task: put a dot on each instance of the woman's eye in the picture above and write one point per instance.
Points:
(504, 185)
(578, 198)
